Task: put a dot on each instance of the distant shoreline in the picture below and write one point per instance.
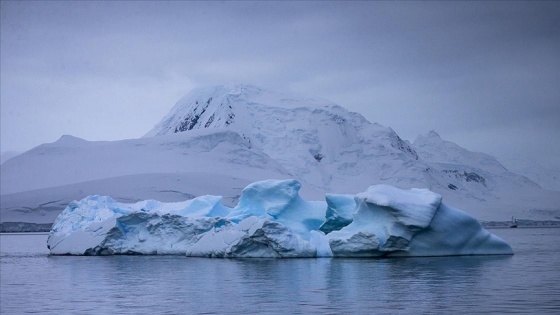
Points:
(521, 223)
(487, 228)
(25, 227)
(41, 228)
(521, 227)
(24, 233)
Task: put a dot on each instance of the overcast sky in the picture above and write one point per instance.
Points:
(485, 75)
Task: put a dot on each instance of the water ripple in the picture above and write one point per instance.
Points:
(528, 282)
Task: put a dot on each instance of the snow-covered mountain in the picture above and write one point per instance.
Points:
(73, 160)
(317, 141)
(547, 177)
(6, 155)
(431, 147)
(240, 133)
(480, 181)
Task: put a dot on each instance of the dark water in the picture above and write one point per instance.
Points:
(528, 282)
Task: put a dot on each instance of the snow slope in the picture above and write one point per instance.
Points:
(546, 177)
(6, 155)
(72, 160)
(431, 147)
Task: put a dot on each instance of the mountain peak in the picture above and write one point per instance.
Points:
(431, 147)
(312, 136)
(221, 106)
(69, 139)
(430, 136)
(433, 134)
(227, 89)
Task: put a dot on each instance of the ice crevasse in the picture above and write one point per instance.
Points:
(272, 220)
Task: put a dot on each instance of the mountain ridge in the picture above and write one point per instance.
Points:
(299, 133)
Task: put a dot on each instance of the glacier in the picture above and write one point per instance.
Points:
(271, 220)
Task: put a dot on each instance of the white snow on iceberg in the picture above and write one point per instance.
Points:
(272, 220)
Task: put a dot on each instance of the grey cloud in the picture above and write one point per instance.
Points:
(467, 69)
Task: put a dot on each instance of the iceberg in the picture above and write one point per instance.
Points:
(272, 220)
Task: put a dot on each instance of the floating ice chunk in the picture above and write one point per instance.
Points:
(203, 206)
(385, 220)
(80, 241)
(339, 212)
(93, 209)
(279, 201)
(99, 225)
(152, 233)
(271, 220)
(358, 244)
(79, 215)
(393, 222)
(414, 207)
(253, 237)
(454, 232)
(266, 199)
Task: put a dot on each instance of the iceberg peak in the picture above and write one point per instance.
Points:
(272, 220)
(268, 198)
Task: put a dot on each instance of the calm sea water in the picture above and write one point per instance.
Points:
(528, 282)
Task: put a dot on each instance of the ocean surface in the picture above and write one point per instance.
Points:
(528, 282)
